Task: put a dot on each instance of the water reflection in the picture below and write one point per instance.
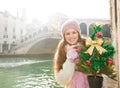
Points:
(15, 64)
(27, 72)
(35, 81)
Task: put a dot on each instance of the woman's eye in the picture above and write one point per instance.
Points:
(74, 32)
(67, 33)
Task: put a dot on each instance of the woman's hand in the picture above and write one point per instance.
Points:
(72, 55)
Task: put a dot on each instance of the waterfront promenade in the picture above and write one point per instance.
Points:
(109, 83)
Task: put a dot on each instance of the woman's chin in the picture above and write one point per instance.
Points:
(73, 43)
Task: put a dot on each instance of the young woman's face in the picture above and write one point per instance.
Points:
(71, 36)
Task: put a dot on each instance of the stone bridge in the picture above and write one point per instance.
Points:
(46, 42)
(41, 44)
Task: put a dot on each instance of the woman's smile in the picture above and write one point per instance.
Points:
(71, 36)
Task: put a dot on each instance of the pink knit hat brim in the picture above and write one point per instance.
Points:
(70, 24)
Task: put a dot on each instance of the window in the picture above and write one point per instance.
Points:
(106, 31)
(83, 28)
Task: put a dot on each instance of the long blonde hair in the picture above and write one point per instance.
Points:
(60, 55)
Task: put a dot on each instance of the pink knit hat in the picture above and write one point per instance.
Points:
(70, 24)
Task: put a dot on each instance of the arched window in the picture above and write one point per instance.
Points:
(91, 28)
(106, 30)
(83, 28)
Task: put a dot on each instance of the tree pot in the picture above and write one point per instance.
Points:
(95, 81)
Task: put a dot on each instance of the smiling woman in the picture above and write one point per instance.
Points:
(41, 10)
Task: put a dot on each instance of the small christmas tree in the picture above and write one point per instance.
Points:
(97, 57)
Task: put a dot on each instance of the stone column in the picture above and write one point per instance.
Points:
(118, 34)
(115, 24)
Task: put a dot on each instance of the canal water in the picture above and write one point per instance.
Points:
(27, 72)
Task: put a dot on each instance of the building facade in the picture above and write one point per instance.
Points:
(11, 30)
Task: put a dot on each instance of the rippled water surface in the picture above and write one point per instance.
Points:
(27, 72)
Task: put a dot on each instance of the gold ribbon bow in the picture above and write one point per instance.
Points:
(95, 43)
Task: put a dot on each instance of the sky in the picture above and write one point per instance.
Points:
(42, 9)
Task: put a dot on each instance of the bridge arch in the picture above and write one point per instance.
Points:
(47, 46)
